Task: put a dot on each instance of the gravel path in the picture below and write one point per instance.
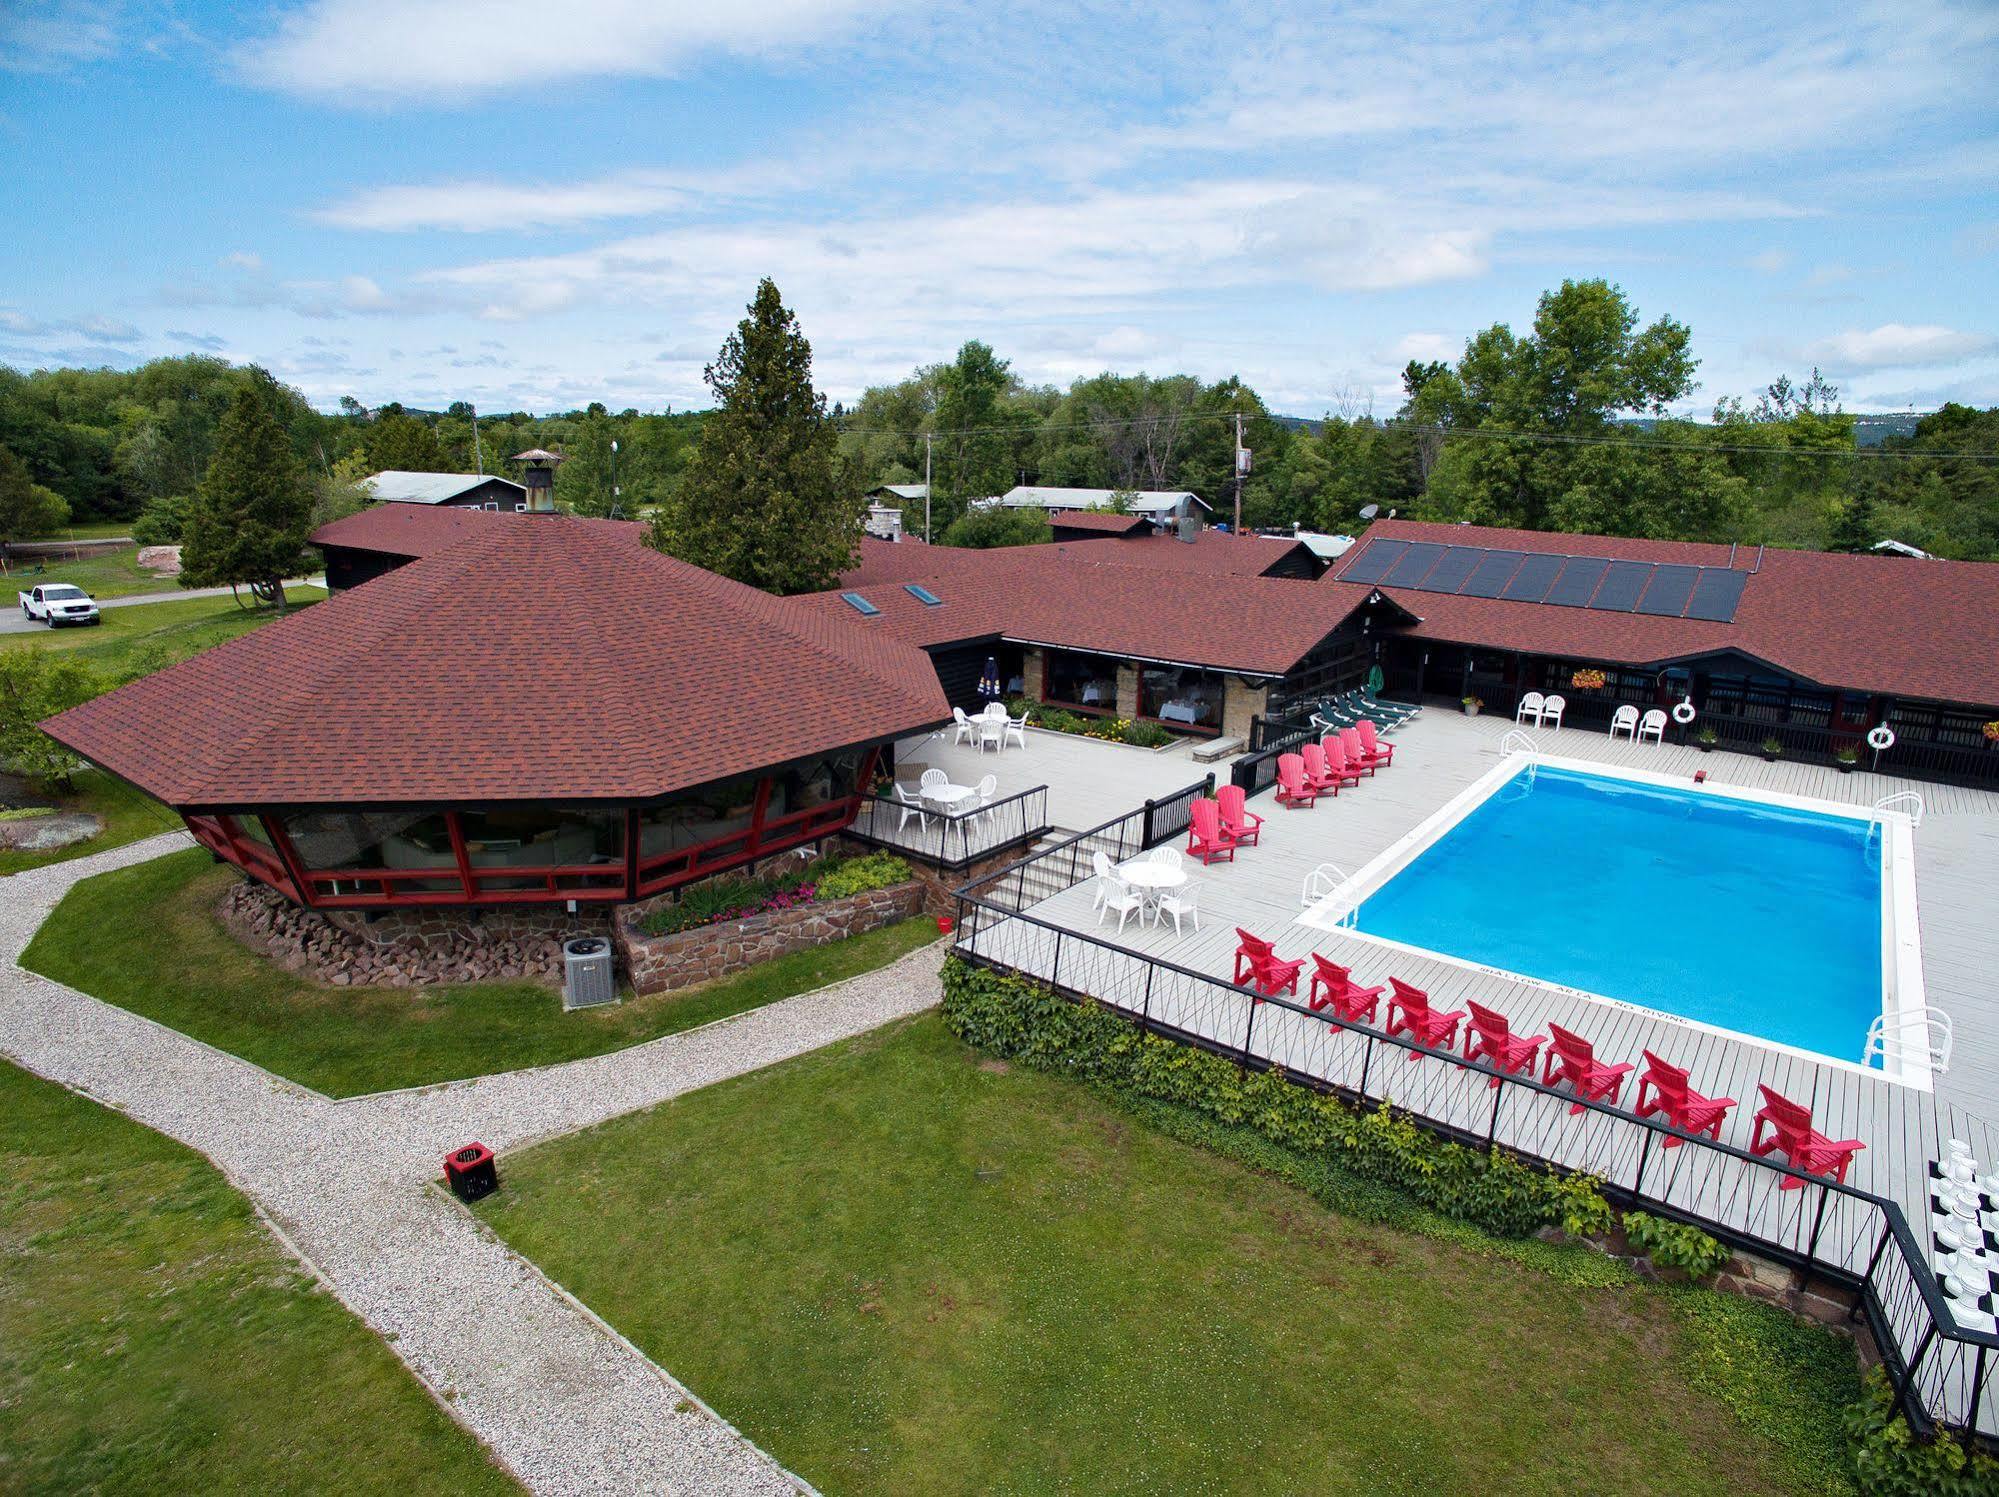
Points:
(566, 1404)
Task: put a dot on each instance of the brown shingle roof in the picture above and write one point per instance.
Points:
(1881, 624)
(408, 529)
(538, 658)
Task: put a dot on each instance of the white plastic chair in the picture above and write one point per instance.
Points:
(1529, 708)
(1653, 726)
(1625, 720)
(1016, 730)
(965, 726)
(1120, 896)
(1167, 855)
(992, 731)
(1100, 864)
(932, 779)
(911, 806)
(1185, 900)
(1552, 710)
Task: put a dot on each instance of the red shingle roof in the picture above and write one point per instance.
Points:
(408, 529)
(1880, 624)
(537, 658)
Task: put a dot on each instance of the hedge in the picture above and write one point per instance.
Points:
(1020, 1021)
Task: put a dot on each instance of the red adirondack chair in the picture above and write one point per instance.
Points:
(1370, 739)
(1572, 1059)
(1339, 764)
(1357, 755)
(1267, 973)
(1333, 987)
(1293, 788)
(1793, 1136)
(1409, 1013)
(1207, 838)
(1238, 820)
(1684, 1107)
(1490, 1038)
(1318, 774)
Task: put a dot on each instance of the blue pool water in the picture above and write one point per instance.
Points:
(1759, 919)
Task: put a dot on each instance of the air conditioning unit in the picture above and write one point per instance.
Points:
(589, 973)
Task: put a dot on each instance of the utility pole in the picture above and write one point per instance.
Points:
(478, 456)
(926, 488)
(614, 478)
(1238, 475)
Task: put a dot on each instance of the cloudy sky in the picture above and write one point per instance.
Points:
(536, 204)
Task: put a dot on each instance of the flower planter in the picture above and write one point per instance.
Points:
(1471, 708)
(1845, 766)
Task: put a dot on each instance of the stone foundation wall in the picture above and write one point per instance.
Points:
(407, 948)
(659, 964)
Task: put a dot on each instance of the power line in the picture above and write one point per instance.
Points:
(1447, 432)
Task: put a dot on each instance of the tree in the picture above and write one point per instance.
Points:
(37, 684)
(996, 525)
(249, 520)
(984, 436)
(401, 443)
(1853, 526)
(26, 508)
(761, 501)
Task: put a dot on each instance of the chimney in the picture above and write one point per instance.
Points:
(538, 475)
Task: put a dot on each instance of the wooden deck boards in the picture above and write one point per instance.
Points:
(1957, 856)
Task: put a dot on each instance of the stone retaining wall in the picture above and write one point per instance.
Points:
(658, 964)
(407, 948)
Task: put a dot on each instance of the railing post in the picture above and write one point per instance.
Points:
(1366, 1063)
(1492, 1125)
(1644, 1154)
(1867, 1279)
(1818, 1221)
(1908, 1378)
(1145, 1017)
(1055, 972)
(1247, 1030)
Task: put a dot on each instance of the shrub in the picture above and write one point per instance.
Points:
(878, 870)
(1671, 1244)
(1021, 1021)
(161, 522)
(1892, 1462)
(35, 684)
(1146, 735)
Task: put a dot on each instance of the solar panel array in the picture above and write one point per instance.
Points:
(1663, 589)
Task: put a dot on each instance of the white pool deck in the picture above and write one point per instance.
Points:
(1438, 756)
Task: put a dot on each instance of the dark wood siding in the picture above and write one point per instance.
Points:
(348, 566)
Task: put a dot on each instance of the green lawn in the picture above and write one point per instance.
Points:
(128, 815)
(153, 1338)
(104, 574)
(146, 938)
(902, 1269)
(151, 635)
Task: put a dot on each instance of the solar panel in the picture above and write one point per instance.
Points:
(1716, 594)
(859, 604)
(1452, 568)
(1670, 589)
(1622, 586)
(1579, 578)
(1414, 565)
(1375, 558)
(1530, 583)
(1491, 574)
(923, 595)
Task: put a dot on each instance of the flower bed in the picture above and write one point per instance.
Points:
(725, 899)
(1110, 729)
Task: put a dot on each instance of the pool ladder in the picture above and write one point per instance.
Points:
(1936, 1041)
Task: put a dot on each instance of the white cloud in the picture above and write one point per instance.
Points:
(1895, 345)
(97, 329)
(51, 36)
(1771, 261)
(473, 206)
(433, 51)
(1429, 347)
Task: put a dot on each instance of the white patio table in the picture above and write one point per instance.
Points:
(1152, 879)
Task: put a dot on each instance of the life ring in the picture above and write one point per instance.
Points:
(1880, 737)
(1684, 712)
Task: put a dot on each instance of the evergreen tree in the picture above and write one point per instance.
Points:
(1853, 526)
(761, 501)
(26, 508)
(401, 443)
(249, 520)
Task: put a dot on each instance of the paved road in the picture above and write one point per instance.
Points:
(566, 1404)
(15, 622)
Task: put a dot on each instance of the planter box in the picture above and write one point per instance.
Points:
(660, 964)
(1110, 742)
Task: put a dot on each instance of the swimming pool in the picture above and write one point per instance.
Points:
(1764, 915)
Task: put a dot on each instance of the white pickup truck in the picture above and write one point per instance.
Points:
(59, 603)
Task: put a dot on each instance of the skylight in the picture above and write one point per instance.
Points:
(923, 595)
(859, 604)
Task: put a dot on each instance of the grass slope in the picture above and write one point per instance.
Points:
(152, 635)
(902, 1269)
(127, 814)
(146, 938)
(107, 574)
(153, 1338)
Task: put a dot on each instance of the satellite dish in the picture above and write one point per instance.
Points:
(1369, 511)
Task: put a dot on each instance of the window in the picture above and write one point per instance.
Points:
(1181, 697)
(520, 506)
(536, 839)
(721, 811)
(859, 604)
(1081, 680)
(923, 595)
(492, 504)
(401, 842)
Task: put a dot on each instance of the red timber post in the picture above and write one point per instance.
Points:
(756, 842)
(294, 866)
(459, 855)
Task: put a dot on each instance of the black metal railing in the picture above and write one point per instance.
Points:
(1256, 772)
(1065, 863)
(952, 839)
(1939, 1370)
(1266, 733)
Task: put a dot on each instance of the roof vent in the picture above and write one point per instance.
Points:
(1189, 528)
(859, 604)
